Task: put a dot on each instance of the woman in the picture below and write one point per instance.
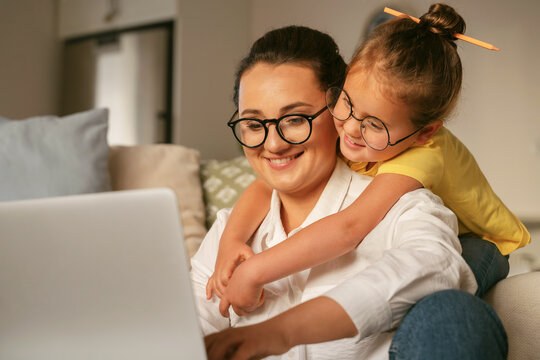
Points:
(289, 139)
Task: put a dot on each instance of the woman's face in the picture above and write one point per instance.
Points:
(367, 100)
(271, 91)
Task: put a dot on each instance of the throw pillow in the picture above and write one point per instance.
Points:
(164, 165)
(54, 156)
(223, 182)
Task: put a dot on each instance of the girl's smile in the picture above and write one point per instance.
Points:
(353, 143)
(367, 100)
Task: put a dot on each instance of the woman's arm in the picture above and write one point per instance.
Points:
(246, 216)
(318, 320)
(318, 243)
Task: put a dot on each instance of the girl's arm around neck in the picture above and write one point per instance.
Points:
(248, 212)
(245, 218)
(332, 236)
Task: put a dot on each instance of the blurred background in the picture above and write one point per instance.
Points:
(165, 69)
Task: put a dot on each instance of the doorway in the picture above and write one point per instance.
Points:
(128, 71)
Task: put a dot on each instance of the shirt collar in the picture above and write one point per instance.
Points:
(333, 195)
(329, 203)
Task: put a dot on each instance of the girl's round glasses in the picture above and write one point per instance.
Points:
(374, 132)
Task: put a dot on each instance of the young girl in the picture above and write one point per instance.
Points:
(402, 83)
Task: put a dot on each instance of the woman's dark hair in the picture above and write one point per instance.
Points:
(416, 63)
(296, 44)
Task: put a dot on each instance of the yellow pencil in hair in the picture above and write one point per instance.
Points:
(476, 42)
(456, 35)
(397, 13)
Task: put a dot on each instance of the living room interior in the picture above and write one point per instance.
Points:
(497, 116)
(500, 88)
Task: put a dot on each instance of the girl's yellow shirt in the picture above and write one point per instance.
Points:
(446, 167)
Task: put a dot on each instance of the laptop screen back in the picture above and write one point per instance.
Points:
(98, 276)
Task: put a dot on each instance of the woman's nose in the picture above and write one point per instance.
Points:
(274, 143)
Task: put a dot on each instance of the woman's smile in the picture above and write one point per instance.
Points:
(282, 162)
(272, 91)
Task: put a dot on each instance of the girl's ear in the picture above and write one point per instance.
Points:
(428, 131)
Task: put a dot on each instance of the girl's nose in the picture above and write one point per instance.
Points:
(274, 143)
(353, 127)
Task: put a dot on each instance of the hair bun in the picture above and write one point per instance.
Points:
(444, 20)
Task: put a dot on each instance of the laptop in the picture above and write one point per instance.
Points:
(96, 276)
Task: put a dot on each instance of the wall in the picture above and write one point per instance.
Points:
(212, 37)
(498, 117)
(83, 17)
(29, 60)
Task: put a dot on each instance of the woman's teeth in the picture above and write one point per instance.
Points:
(283, 160)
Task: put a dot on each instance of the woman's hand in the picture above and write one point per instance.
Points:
(243, 292)
(250, 342)
(228, 258)
(317, 320)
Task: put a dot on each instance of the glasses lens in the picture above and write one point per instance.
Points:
(249, 132)
(295, 129)
(374, 133)
(338, 103)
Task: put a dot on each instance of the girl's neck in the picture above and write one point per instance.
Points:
(370, 165)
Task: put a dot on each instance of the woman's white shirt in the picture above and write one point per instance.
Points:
(414, 251)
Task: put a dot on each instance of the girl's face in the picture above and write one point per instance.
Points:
(367, 100)
(270, 91)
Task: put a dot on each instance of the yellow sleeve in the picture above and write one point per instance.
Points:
(446, 167)
(423, 163)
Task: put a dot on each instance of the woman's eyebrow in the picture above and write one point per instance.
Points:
(251, 112)
(282, 110)
(294, 106)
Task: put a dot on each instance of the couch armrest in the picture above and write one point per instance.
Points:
(517, 302)
(164, 165)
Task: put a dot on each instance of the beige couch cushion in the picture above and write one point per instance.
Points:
(164, 165)
(223, 182)
(517, 302)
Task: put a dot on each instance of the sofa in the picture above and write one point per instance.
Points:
(71, 155)
(516, 299)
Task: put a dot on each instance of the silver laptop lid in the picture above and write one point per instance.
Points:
(98, 276)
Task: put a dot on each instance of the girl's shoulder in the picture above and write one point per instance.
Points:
(427, 163)
(435, 153)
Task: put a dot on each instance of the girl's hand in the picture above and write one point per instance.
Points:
(229, 257)
(250, 342)
(243, 292)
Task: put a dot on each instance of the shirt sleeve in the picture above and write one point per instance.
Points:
(424, 163)
(202, 267)
(424, 257)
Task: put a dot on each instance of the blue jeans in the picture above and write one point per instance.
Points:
(486, 262)
(453, 324)
(450, 324)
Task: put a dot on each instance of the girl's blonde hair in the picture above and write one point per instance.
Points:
(416, 64)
